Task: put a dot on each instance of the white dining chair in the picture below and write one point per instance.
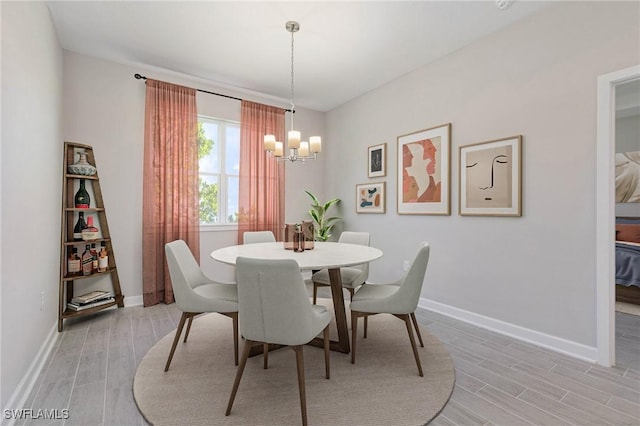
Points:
(352, 276)
(195, 293)
(274, 308)
(251, 237)
(399, 299)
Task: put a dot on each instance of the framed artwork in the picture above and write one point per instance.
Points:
(424, 171)
(627, 177)
(491, 178)
(370, 197)
(377, 161)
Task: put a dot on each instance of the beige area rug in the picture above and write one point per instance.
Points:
(628, 308)
(381, 388)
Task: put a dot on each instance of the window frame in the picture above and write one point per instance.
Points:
(222, 175)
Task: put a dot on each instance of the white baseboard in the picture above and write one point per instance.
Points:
(24, 388)
(133, 301)
(554, 343)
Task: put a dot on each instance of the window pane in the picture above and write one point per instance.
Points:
(232, 150)
(209, 148)
(232, 199)
(209, 186)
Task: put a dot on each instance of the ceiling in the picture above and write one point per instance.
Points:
(343, 49)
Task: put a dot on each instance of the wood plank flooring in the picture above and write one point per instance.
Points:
(499, 380)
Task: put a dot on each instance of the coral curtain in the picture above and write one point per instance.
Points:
(170, 202)
(261, 192)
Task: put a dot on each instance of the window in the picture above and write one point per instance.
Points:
(219, 165)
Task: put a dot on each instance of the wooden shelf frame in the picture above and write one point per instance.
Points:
(69, 215)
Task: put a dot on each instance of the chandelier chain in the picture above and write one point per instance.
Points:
(293, 107)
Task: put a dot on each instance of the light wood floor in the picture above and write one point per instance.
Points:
(499, 380)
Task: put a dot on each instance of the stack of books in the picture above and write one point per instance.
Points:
(90, 300)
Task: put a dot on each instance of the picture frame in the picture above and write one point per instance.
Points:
(491, 178)
(371, 197)
(424, 172)
(377, 160)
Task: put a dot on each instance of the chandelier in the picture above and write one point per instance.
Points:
(298, 150)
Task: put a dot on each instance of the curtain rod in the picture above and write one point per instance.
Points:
(142, 77)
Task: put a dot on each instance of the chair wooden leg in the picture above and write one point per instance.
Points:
(415, 325)
(186, 334)
(354, 335)
(366, 325)
(265, 353)
(301, 386)
(407, 322)
(326, 352)
(183, 318)
(236, 383)
(234, 318)
(351, 291)
(315, 293)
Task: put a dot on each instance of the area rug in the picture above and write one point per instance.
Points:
(381, 388)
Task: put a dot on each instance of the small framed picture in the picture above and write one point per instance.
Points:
(424, 172)
(370, 197)
(377, 160)
(491, 178)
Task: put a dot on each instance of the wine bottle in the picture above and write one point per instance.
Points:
(87, 260)
(103, 258)
(90, 232)
(94, 263)
(73, 263)
(82, 199)
(80, 225)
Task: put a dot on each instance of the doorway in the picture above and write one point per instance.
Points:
(605, 211)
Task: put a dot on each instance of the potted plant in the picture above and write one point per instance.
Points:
(318, 211)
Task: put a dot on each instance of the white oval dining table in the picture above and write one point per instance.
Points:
(324, 255)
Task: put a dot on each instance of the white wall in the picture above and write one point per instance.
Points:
(104, 107)
(31, 189)
(538, 79)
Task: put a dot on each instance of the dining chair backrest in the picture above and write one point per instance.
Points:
(185, 274)
(273, 302)
(251, 237)
(406, 299)
(360, 238)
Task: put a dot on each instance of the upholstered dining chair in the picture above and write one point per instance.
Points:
(274, 308)
(251, 237)
(352, 276)
(196, 294)
(399, 299)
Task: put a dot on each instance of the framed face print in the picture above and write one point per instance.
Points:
(491, 178)
(424, 172)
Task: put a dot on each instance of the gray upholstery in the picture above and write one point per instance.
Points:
(352, 276)
(275, 309)
(274, 303)
(195, 293)
(399, 298)
(251, 237)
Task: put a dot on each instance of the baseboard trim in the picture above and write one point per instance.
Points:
(133, 301)
(24, 388)
(554, 343)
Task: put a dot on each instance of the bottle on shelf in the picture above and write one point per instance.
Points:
(94, 263)
(103, 258)
(90, 232)
(87, 260)
(82, 199)
(80, 225)
(73, 263)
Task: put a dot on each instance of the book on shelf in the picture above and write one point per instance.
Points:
(90, 297)
(77, 307)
